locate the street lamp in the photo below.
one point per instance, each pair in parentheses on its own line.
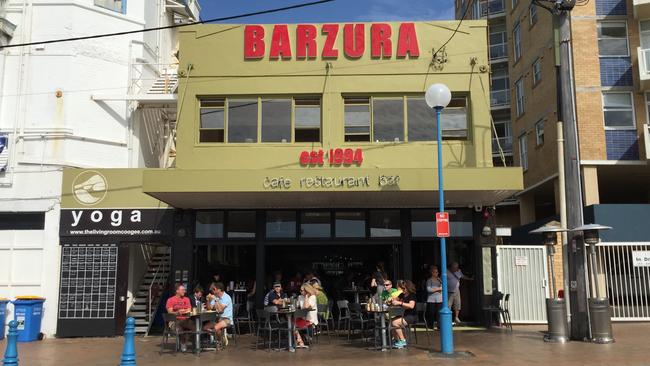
(599,311)
(558,329)
(438,97)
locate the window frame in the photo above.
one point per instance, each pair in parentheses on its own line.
(539,137)
(523,151)
(615,128)
(537,71)
(501,45)
(532,15)
(122,9)
(627,37)
(516,41)
(520,100)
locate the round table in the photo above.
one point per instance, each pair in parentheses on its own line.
(289,312)
(198,324)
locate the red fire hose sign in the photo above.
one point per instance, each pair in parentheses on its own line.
(442,224)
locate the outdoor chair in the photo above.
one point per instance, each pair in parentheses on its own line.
(497,307)
(170,330)
(421,309)
(406,328)
(506,311)
(324,315)
(344,315)
(266,326)
(245,318)
(357,317)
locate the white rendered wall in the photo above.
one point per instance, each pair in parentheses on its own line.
(48,132)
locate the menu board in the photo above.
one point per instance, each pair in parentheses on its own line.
(88,281)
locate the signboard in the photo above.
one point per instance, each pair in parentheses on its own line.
(442,224)
(521,260)
(335,157)
(641,258)
(116,222)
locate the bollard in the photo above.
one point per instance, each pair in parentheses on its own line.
(11,353)
(128,354)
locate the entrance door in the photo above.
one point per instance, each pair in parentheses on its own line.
(121,288)
(522,272)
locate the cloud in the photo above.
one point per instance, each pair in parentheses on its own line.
(400,10)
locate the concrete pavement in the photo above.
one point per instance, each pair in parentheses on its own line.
(524,346)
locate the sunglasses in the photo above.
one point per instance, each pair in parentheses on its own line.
(388,284)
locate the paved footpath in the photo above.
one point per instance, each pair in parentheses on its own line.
(524,346)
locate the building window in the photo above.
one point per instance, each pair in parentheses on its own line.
(519,96)
(500,90)
(612,38)
(537,71)
(388,120)
(514,3)
(209,224)
(315,224)
(242,120)
(539,132)
(503,138)
(618,110)
(307,120)
(212,120)
(532,14)
(276,120)
(241,224)
(476,9)
(357,119)
(280,224)
(350,224)
(516,40)
(385,223)
(498,42)
(523,152)
(421,120)
(454,119)
(114,5)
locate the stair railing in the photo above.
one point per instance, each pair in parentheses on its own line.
(156,281)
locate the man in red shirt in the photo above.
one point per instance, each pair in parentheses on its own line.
(180,305)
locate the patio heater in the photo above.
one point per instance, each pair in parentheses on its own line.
(556,312)
(600,315)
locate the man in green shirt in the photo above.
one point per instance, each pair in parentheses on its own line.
(389,292)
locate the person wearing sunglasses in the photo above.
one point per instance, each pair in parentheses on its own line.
(389,292)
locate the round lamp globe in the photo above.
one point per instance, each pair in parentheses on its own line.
(438,96)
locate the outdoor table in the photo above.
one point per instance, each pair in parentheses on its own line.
(356,292)
(199,328)
(289,312)
(382,330)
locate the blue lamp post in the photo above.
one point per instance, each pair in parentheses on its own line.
(438,97)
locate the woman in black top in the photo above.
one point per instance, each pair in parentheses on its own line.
(405,300)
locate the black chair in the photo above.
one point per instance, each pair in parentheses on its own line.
(505,306)
(405,327)
(344,315)
(244,318)
(324,316)
(495,307)
(308,330)
(265,325)
(171,330)
(421,309)
(357,317)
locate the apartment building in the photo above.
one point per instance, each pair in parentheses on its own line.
(104,102)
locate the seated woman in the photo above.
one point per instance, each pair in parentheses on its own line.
(405,300)
(321,297)
(306,300)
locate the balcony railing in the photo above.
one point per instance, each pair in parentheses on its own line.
(492,7)
(499,98)
(505,143)
(499,50)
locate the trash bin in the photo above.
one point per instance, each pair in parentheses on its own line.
(3,316)
(28,312)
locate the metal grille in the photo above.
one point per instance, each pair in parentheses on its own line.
(522,272)
(627,283)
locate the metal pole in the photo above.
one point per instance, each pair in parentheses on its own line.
(446,331)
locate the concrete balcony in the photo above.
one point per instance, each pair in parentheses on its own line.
(641,9)
(644,67)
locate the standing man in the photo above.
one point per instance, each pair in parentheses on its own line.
(180,306)
(222,303)
(454,275)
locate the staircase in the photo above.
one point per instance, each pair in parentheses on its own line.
(149,293)
(164,84)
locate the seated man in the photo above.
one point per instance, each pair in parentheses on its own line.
(275,296)
(389,292)
(222,302)
(180,306)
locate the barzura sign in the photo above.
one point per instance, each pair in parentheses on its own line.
(384,40)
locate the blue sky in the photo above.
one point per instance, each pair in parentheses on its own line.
(337,11)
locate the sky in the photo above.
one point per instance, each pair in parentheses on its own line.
(336,11)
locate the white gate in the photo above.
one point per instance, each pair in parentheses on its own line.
(626,269)
(522,272)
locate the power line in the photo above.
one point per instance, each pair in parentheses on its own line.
(469,5)
(261,12)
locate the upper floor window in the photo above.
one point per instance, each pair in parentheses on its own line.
(498,41)
(500,90)
(514,3)
(523,152)
(532,14)
(539,132)
(282,120)
(519,96)
(115,5)
(618,111)
(612,38)
(516,40)
(537,71)
(357,119)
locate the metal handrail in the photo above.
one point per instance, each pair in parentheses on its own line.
(150,310)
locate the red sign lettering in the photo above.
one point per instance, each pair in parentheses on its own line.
(442,224)
(335,157)
(354,41)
